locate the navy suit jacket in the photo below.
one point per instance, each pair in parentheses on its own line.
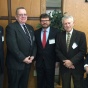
(46,54)
(86,59)
(1,51)
(75,54)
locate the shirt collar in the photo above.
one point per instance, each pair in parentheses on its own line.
(22,24)
(47,30)
(70,32)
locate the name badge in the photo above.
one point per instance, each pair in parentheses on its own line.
(51,41)
(2,38)
(74,45)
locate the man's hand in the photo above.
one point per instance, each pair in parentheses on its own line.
(72,67)
(67,63)
(86,68)
(31,58)
(27,60)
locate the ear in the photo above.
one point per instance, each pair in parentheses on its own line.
(15,17)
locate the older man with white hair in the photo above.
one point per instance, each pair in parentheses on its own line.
(70,49)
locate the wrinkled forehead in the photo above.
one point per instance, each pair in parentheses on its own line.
(21,11)
(67,20)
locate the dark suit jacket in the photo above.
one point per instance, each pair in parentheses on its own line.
(86,59)
(18,47)
(76,55)
(1,51)
(46,54)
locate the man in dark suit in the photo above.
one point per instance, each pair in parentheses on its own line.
(71,50)
(1,57)
(21,50)
(86,63)
(45,58)
(86,69)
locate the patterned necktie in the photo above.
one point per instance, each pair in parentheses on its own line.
(44,39)
(27,34)
(68,40)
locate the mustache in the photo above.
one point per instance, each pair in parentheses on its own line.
(44,23)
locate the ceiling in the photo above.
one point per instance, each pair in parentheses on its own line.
(53,3)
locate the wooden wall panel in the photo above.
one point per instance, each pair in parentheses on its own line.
(3,8)
(3,23)
(34,23)
(79,10)
(43,6)
(32,6)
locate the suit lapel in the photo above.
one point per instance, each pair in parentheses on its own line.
(39,37)
(73,37)
(40,42)
(30,31)
(64,41)
(49,36)
(19,28)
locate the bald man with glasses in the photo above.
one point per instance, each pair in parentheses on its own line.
(21,50)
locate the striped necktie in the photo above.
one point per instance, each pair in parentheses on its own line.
(68,40)
(27,34)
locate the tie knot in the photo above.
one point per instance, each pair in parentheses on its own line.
(24,26)
(68,33)
(44,30)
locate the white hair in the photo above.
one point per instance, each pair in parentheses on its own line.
(67,17)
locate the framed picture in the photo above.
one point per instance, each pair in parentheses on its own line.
(86,0)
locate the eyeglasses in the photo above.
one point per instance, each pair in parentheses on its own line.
(21,15)
(44,20)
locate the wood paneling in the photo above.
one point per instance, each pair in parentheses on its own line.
(43,6)
(34,23)
(32,6)
(79,10)
(3,8)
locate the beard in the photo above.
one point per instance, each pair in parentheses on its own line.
(45,25)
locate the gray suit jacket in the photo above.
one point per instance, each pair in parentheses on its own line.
(18,47)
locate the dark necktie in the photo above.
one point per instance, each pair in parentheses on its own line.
(27,34)
(68,40)
(44,39)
